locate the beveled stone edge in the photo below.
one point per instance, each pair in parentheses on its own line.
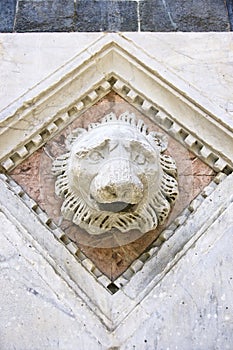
(35,255)
(150,252)
(138,312)
(167,233)
(149,109)
(173,128)
(26,211)
(108,53)
(61,120)
(112,309)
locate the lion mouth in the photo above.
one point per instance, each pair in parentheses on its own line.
(117,207)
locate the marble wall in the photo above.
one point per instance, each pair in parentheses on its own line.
(178,293)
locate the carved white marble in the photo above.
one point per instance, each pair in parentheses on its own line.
(115,176)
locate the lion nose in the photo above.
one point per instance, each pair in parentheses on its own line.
(117,182)
(121,192)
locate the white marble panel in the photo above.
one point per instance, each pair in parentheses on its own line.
(192,307)
(202,59)
(33,313)
(26,59)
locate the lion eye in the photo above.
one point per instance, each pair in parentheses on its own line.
(95,156)
(140,159)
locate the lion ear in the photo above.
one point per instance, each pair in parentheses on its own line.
(74,136)
(160,140)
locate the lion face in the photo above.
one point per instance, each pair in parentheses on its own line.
(115,176)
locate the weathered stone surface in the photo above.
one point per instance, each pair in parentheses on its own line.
(200,16)
(7,15)
(200,58)
(181,15)
(35,315)
(155,17)
(187,54)
(18,51)
(44,16)
(194,296)
(102,15)
(195,299)
(182,297)
(115,15)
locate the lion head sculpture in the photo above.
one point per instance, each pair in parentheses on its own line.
(115,176)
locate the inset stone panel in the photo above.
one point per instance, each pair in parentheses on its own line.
(112,255)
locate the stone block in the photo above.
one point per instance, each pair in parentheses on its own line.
(229,4)
(111,16)
(154,17)
(7,15)
(181,15)
(44,16)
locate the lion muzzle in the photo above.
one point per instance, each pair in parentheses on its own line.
(117,183)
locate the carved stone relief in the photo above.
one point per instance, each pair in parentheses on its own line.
(115,175)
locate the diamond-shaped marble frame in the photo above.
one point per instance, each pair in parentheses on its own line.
(113,63)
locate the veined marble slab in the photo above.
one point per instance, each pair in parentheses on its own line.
(26,59)
(204,60)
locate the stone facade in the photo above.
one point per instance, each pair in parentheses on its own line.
(178,293)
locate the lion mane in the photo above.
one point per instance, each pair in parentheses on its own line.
(148,214)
